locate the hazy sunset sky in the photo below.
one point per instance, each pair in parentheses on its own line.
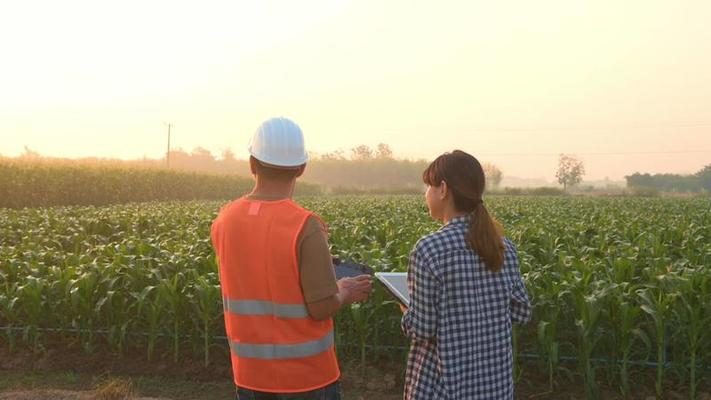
(626,85)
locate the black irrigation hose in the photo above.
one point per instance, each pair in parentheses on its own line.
(533,356)
(99,331)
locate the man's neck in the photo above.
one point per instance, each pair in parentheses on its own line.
(272,189)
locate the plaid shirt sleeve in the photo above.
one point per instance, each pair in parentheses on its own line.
(520,304)
(420,320)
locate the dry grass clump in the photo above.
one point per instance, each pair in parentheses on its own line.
(114,389)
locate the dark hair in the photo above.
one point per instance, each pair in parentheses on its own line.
(465,179)
(276,173)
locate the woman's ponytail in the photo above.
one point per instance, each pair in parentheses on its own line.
(485,237)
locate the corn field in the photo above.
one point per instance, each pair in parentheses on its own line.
(620,287)
(42,184)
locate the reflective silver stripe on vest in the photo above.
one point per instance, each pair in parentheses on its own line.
(257,307)
(283,351)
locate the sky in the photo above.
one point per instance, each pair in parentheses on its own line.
(624,85)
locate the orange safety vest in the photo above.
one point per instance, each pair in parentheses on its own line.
(276,346)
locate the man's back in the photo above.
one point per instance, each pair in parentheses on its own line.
(276,346)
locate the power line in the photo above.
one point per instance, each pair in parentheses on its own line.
(594,128)
(616,153)
(479,129)
(167,153)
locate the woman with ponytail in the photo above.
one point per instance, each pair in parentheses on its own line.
(465,292)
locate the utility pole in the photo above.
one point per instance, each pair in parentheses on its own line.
(167,153)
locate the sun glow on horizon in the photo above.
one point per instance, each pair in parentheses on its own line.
(624,84)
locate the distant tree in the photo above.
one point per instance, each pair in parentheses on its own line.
(229,163)
(361,152)
(202,153)
(228,155)
(493,175)
(570,171)
(704,177)
(334,155)
(638,180)
(29,154)
(671,182)
(179,158)
(383,151)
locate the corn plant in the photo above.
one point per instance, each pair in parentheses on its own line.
(588,302)
(657,300)
(32,301)
(551,293)
(693,314)
(626,317)
(147,307)
(171,293)
(208,297)
(84,299)
(10,312)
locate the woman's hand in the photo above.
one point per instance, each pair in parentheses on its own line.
(403,308)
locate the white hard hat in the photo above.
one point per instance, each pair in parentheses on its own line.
(279,141)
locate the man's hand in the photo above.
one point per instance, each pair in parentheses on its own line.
(354,289)
(350,290)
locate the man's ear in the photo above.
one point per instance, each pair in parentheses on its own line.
(301,170)
(253,165)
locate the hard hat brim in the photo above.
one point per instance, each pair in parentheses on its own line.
(278,166)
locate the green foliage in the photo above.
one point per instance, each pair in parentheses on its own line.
(615,282)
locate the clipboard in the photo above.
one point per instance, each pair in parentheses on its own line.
(396,284)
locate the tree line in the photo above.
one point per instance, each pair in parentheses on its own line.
(368,169)
(698,182)
(361,169)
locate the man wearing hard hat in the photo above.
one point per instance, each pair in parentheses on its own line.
(278,284)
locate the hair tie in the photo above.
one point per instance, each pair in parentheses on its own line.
(476,205)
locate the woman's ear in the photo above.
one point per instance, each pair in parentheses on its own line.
(443,190)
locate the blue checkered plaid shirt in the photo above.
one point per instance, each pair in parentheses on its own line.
(459,320)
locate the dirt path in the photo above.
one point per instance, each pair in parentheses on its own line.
(43,394)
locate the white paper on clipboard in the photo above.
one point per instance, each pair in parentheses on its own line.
(396,283)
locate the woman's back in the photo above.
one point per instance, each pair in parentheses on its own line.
(460,318)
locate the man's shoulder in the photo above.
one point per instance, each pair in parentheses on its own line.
(228,207)
(313,222)
(226,210)
(313,225)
